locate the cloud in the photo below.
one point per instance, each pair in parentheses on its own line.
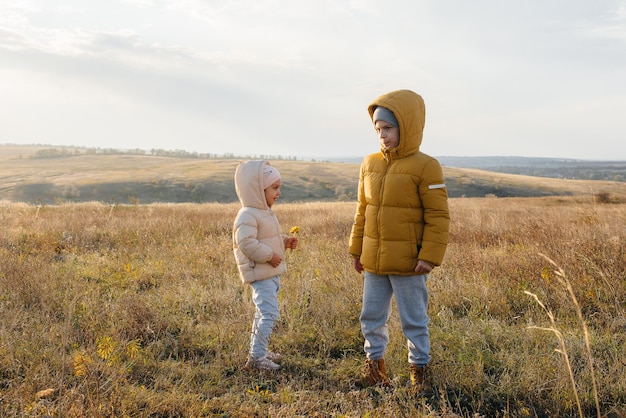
(294,78)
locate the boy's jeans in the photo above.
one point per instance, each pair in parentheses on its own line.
(412,301)
(265,297)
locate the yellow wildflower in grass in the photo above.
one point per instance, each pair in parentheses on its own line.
(106,346)
(81,364)
(295,230)
(264,394)
(132,349)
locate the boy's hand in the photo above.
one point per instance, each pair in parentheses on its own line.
(423,267)
(276,260)
(357,265)
(291,243)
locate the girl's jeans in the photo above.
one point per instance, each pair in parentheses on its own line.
(265,297)
(412,301)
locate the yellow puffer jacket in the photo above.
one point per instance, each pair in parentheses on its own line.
(402,213)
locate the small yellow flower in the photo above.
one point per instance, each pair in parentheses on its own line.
(546,273)
(133,348)
(81,364)
(295,230)
(106,346)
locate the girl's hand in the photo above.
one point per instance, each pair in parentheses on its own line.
(276,260)
(357,265)
(291,243)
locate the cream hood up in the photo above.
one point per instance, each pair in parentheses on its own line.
(249,184)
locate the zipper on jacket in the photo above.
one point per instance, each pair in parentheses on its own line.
(380,199)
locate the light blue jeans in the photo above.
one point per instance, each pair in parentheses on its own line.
(411,296)
(265,298)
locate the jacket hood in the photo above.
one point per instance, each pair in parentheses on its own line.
(408,108)
(249,184)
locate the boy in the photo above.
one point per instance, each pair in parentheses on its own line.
(399,235)
(260,251)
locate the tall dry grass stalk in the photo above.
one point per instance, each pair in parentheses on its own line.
(562,278)
(562,350)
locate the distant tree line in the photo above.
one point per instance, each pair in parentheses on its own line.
(61,152)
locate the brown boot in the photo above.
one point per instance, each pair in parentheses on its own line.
(374,374)
(420,380)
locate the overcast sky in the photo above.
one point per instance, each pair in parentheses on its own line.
(542,78)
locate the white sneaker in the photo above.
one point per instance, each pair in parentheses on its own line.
(275,357)
(263,363)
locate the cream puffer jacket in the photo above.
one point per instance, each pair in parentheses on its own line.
(402,213)
(256,231)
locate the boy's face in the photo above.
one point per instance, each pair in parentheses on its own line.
(272,193)
(388,135)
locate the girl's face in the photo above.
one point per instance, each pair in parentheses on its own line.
(388,135)
(272,193)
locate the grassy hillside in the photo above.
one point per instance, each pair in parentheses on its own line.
(29,174)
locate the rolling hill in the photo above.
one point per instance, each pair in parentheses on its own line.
(30,174)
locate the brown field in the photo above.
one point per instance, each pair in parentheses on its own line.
(137,311)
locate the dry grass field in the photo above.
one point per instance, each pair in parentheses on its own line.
(137,311)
